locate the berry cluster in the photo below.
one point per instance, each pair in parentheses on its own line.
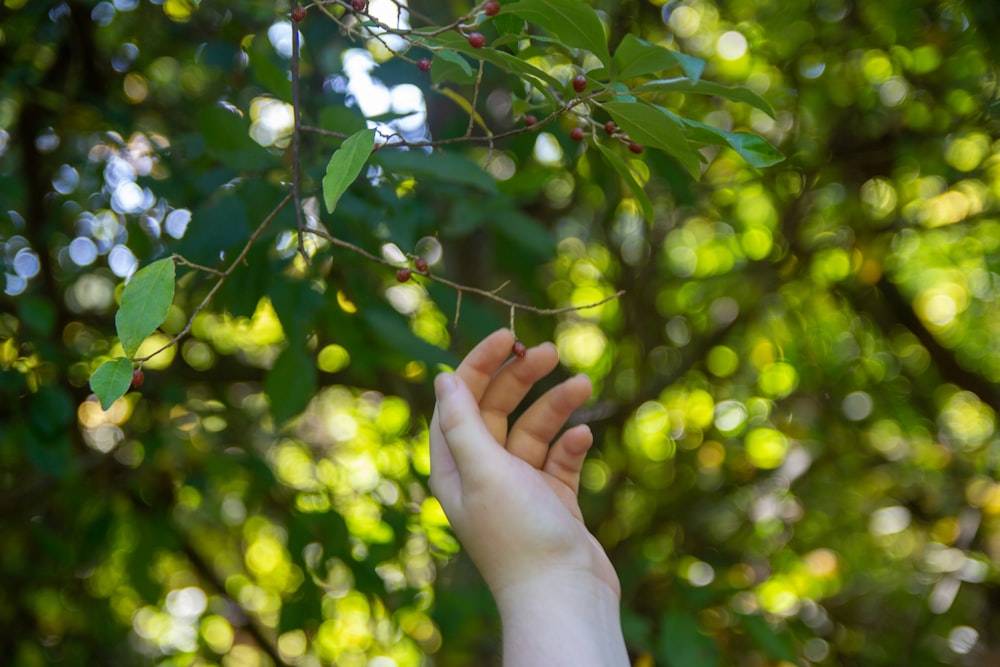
(612,130)
(420,264)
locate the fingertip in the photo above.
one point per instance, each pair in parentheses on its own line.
(444,385)
(582,436)
(503,333)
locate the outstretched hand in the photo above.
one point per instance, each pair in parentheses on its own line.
(510,491)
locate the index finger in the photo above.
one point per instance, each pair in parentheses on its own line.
(484,360)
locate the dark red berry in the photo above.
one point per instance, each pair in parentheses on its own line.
(137,378)
(579,83)
(359,5)
(491,8)
(421,264)
(634,147)
(576,134)
(299,14)
(403,275)
(424,65)
(610,127)
(529,120)
(519,350)
(476,40)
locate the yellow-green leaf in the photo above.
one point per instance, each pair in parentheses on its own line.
(736,94)
(653,128)
(572,22)
(626,174)
(636,57)
(753,148)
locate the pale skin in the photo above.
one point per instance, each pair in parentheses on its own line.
(510,492)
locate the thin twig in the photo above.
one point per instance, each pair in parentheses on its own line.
(475,101)
(222,279)
(296,125)
(179,259)
(464,139)
(487,294)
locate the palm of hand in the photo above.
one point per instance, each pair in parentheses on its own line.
(511,497)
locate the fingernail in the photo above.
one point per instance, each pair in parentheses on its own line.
(445,384)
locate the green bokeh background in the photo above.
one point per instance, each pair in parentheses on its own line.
(796,396)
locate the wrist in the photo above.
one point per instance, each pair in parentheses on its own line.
(562,618)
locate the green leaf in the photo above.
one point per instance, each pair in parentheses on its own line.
(449,167)
(753,148)
(111,380)
(574,23)
(734,93)
(682,643)
(636,57)
(626,174)
(653,128)
(345,165)
(457,59)
(505,61)
(622,93)
(290,383)
(508,24)
(146,300)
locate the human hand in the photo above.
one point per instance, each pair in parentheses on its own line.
(511,493)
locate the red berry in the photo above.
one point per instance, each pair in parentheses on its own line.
(299,14)
(424,65)
(579,83)
(576,134)
(137,378)
(529,120)
(491,8)
(403,275)
(421,264)
(476,40)
(610,127)
(359,5)
(519,350)
(634,147)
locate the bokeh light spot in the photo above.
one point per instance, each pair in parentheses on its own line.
(766,448)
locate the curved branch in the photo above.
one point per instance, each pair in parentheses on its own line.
(222,279)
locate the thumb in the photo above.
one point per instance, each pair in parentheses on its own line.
(469,441)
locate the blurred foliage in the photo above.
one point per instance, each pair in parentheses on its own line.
(796,397)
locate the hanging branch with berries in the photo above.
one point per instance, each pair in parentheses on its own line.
(623,94)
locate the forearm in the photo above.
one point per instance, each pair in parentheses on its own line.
(574,622)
